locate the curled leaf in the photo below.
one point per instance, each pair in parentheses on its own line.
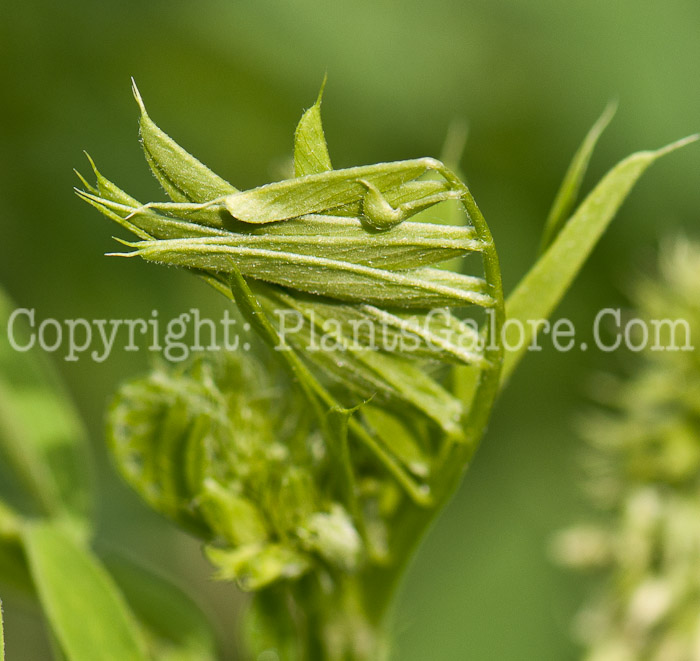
(235,517)
(165,433)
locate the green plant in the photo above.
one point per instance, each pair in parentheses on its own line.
(310,476)
(643,476)
(46,527)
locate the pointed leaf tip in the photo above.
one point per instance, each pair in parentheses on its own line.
(184,178)
(319,98)
(567,194)
(310,148)
(137,96)
(678,144)
(92,163)
(124,242)
(84,182)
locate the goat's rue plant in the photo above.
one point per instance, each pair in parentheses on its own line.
(310,475)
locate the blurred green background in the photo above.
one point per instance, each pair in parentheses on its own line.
(229,80)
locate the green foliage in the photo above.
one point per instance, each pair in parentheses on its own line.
(175,626)
(331,191)
(643,474)
(566,195)
(84,607)
(322,276)
(310,477)
(43,538)
(268,507)
(286,254)
(539,292)
(310,149)
(410,245)
(183,177)
(294,506)
(47,453)
(221,448)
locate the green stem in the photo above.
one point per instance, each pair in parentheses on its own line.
(381,584)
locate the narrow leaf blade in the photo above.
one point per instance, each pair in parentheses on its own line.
(148,225)
(399,434)
(435,335)
(566,196)
(405,246)
(85,610)
(539,292)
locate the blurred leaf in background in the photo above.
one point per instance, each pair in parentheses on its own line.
(46,525)
(228,81)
